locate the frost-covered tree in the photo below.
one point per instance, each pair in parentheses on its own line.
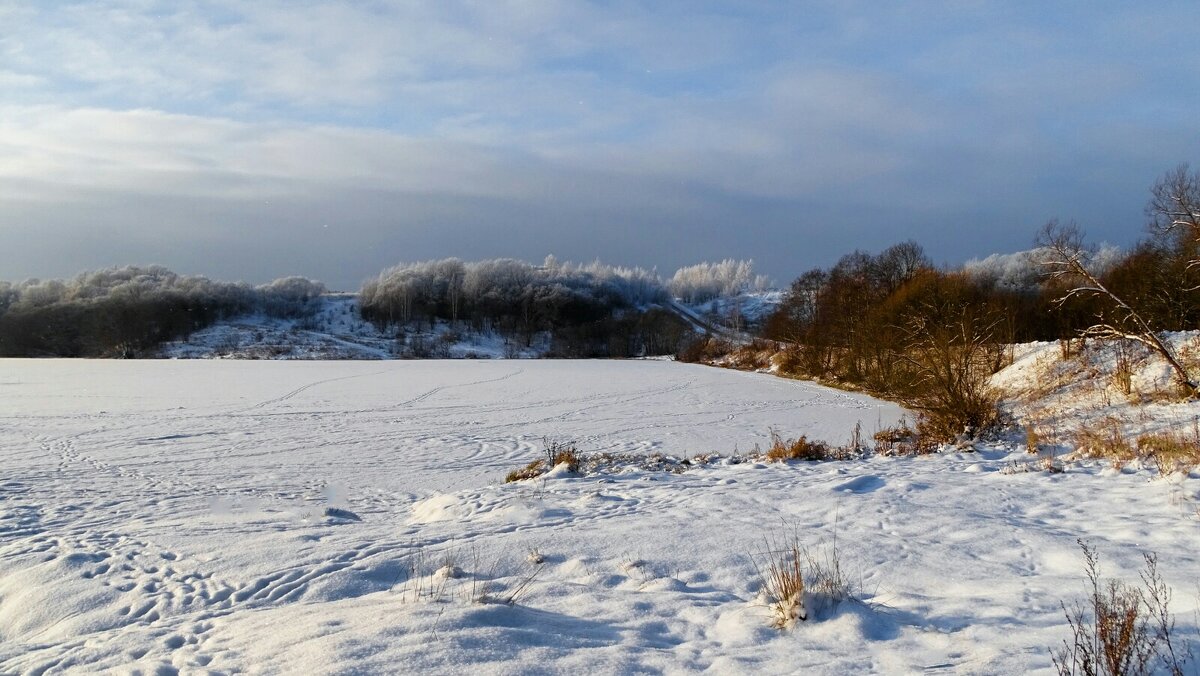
(706,281)
(1174,210)
(123,311)
(290,296)
(509,295)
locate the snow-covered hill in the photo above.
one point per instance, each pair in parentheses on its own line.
(1102,388)
(337,331)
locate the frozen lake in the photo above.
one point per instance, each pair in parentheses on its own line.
(169,516)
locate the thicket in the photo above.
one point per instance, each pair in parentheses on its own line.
(128,311)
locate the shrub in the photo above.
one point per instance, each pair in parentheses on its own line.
(1048,465)
(1121,630)
(796,449)
(897,440)
(556,453)
(704,350)
(945,422)
(559,452)
(1033,440)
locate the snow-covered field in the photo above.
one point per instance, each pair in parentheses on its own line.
(175,516)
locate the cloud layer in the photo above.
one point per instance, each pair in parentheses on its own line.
(250,140)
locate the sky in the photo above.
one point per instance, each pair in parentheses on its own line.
(253,140)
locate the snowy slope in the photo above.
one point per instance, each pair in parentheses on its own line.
(336,331)
(171,516)
(734,318)
(1061,396)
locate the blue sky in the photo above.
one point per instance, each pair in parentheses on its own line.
(249,140)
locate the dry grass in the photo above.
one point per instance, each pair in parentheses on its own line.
(438,578)
(490,592)
(556,453)
(783,583)
(782,450)
(1171,451)
(798,584)
(1168,451)
(1105,440)
(1120,629)
(427,579)
(531,471)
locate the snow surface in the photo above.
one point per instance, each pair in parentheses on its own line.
(349,517)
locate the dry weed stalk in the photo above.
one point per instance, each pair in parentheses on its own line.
(783,583)
(1121,630)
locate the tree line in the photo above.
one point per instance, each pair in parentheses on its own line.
(894,324)
(128,311)
(574,310)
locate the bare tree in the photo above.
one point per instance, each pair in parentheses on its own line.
(950,345)
(1174,208)
(1066,259)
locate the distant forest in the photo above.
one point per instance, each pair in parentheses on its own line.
(589,310)
(123,312)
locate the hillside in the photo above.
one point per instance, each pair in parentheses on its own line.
(336,330)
